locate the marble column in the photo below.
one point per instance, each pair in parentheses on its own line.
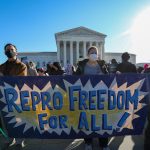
(91,43)
(99,51)
(58,51)
(71,52)
(64,43)
(77,50)
(103,50)
(84,49)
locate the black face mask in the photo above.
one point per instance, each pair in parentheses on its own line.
(10,54)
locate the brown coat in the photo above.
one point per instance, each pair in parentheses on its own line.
(15,68)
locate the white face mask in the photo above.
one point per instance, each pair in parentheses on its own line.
(93,57)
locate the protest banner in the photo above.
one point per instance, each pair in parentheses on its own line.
(74,106)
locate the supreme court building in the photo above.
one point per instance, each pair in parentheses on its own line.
(72,45)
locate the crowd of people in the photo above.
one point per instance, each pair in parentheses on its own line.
(90,66)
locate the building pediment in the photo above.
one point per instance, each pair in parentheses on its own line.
(80,31)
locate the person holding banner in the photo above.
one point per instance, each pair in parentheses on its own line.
(92,66)
(13,67)
(126,66)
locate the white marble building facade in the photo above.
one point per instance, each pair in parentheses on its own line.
(41,59)
(72,45)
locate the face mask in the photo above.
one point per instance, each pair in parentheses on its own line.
(93,57)
(10,54)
